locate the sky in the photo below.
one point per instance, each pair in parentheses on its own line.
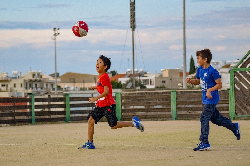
(26,30)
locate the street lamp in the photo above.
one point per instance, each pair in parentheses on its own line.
(133,26)
(184,47)
(54,38)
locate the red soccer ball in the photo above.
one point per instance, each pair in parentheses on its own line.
(80,29)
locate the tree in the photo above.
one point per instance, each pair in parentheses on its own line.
(116,85)
(191,66)
(113,72)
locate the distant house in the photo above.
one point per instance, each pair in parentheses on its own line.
(22,85)
(4,82)
(168,78)
(225,75)
(77,81)
(116,77)
(224,68)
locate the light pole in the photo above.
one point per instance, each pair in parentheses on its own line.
(133,26)
(54,38)
(184,47)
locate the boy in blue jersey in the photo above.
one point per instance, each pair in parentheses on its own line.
(210,81)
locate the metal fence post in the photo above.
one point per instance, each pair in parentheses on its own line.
(33,108)
(173,104)
(67,107)
(231,96)
(118,105)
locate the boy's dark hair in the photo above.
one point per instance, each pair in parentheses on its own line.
(106,61)
(206,53)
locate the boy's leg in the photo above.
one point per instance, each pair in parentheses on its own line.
(112,119)
(121,124)
(220,120)
(89,144)
(208,110)
(135,123)
(93,117)
(114,123)
(91,123)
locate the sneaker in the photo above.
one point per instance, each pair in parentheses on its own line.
(88,145)
(201,146)
(137,123)
(237,130)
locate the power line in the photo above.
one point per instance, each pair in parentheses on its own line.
(123,49)
(141,49)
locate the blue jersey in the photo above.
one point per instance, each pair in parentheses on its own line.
(207,80)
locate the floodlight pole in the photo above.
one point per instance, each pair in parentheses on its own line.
(54,38)
(132,26)
(184,48)
(133,55)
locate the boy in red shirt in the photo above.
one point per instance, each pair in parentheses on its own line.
(105,104)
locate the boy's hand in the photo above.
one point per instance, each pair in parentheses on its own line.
(188,80)
(92,99)
(208,94)
(93,87)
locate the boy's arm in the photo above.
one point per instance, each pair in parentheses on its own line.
(93,87)
(216,87)
(193,81)
(105,93)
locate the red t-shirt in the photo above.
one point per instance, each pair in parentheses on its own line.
(108,100)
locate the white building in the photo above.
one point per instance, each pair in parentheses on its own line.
(225,73)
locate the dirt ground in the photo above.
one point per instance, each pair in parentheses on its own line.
(162,143)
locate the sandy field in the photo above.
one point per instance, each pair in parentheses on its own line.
(162,143)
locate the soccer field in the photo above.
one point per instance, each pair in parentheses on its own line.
(162,143)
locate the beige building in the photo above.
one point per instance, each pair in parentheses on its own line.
(23,85)
(77,81)
(168,78)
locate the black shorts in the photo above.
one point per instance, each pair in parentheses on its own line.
(109,112)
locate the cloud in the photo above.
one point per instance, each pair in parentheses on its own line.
(176,47)
(219,19)
(220,48)
(161,39)
(15,38)
(219,37)
(59,5)
(194,48)
(51,5)
(35,25)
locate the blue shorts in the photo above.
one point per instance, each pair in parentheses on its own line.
(109,112)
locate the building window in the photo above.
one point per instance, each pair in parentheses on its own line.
(3,85)
(21,85)
(151,82)
(163,82)
(15,85)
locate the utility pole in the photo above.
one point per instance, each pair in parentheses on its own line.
(132,26)
(54,38)
(184,48)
